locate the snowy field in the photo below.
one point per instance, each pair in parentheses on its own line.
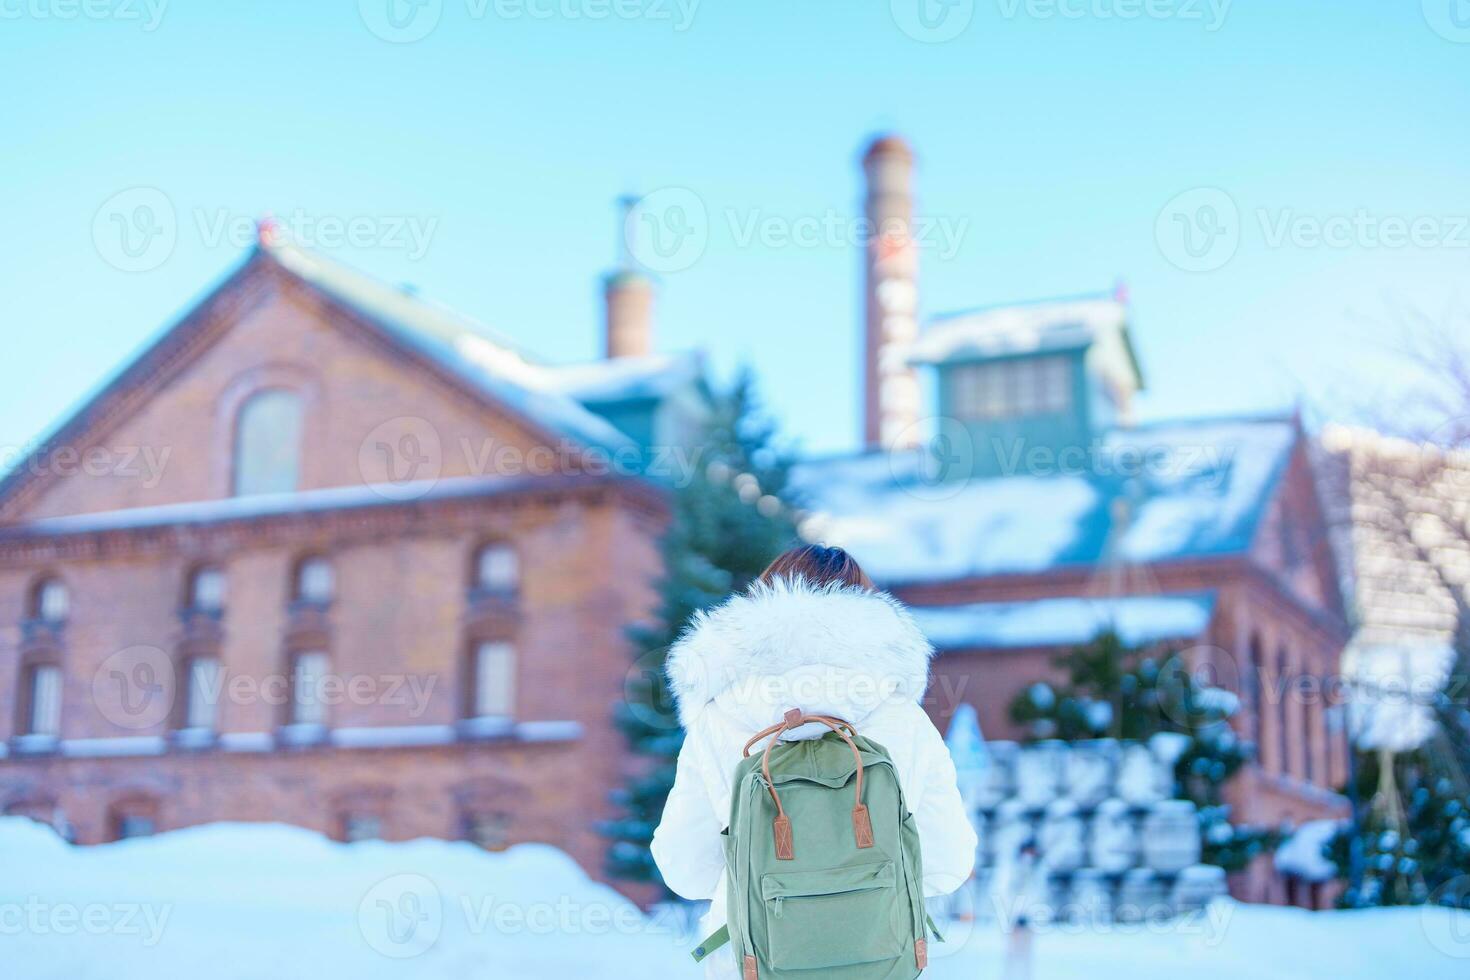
(267,902)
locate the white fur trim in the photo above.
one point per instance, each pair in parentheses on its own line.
(770,629)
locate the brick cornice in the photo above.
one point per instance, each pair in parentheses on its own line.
(346,524)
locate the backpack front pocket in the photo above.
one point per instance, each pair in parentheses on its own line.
(835,917)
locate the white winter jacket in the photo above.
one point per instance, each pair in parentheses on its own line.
(846,652)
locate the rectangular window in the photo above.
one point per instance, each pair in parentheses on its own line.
(494,680)
(308,676)
(991,395)
(1312,716)
(1011,389)
(202,694)
(1056,384)
(1284,684)
(44,717)
(1026,384)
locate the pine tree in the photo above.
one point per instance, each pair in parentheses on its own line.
(1410,843)
(1115,691)
(1415,846)
(725,526)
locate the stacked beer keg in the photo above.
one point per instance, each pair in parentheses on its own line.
(1109,842)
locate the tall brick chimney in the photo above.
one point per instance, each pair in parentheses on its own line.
(627,297)
(891,400)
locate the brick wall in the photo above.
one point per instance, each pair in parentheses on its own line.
(401,627)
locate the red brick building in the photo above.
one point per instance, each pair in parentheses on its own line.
(324,554)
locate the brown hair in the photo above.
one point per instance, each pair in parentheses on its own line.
(817,565)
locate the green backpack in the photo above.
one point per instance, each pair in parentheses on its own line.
(823,861)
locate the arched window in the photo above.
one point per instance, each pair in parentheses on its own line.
(206,589)
(268,443)
(316,583)
(50,601)
(497,569)
(362,814)
(489,829)
(133,816)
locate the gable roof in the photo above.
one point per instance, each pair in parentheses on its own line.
(1203,495)
(469,350)
(483,362)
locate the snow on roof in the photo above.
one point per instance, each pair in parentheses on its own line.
(277,504)
(1301,855)
(1138,620)
(1194,489)
(457,343)
(1391,690)
(652,376)
(1022,328)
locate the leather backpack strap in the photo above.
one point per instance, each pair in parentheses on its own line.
(862,826)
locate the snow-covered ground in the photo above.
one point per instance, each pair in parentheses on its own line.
(268,902)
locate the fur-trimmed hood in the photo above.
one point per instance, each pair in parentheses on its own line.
(825,649)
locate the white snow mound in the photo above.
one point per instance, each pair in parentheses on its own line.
(270,902)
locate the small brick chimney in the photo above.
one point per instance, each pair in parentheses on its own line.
(891,399)
(627,298)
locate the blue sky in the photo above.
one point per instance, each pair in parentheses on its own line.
(1055,138)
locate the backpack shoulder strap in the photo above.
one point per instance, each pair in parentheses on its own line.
(716,939)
